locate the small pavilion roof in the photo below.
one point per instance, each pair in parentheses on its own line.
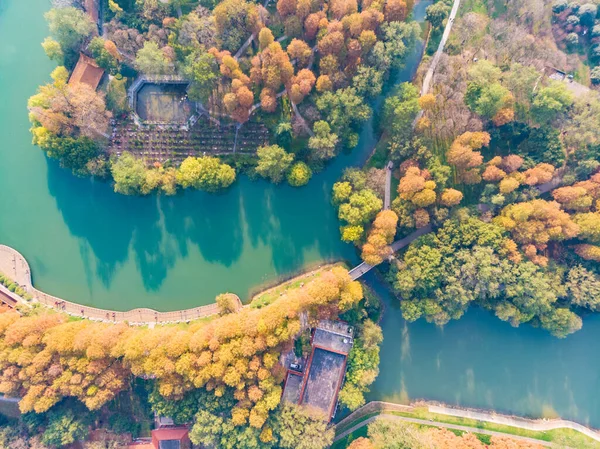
(86,71)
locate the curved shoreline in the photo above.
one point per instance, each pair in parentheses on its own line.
(14,265)
(540,425)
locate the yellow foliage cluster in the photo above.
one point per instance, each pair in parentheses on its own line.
(535,223)
(463,155)
(382,234)
(45,358)
(505,170)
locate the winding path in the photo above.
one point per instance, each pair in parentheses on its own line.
(388,185)
(14,265)
(440,50)
(425,422)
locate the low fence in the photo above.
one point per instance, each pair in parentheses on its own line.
(539,425)
(14,265)
(515,421)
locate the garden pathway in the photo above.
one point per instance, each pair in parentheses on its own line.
(14,265)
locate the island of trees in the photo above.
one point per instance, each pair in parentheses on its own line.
(305,69)
(222,376)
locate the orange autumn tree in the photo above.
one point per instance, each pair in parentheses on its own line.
(301,85)
(445,439)
(46,357)
(583,198)
(361,443)
(272,69)
(535,223)
(380,237)
(463,155)
(416,192)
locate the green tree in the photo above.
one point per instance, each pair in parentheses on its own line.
(437,13)
(73,153)
(543,145)
(550,102)
(486,100)
(205,173)
(202,70)
(151,60)
(323,143)
(129,174)
(300,428)
(343,109)
(207,429)
(399,38)
(53,50)
(400,110)
(70,27)
(561,322)
(63,429)
(362,206)
(584,287)
(299,174)
(116,96)
(273,162)
(368,81)
(102,56)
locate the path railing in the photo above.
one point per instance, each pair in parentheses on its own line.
(539,425)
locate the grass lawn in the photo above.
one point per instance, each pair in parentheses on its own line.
(564,437)
(379,158)
(266,297)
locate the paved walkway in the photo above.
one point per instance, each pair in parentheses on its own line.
(440,424)
(388,185)
(364,267)
(538,425)
(440,50)
(14,265)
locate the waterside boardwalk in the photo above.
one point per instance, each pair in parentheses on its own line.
(14,265)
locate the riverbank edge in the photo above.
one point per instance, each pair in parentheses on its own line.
(372,409)
(21,275)
(14,265)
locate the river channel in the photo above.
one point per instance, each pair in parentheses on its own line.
(89,245)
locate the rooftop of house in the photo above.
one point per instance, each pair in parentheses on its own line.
(335,336)
(172,437)
(87,71)
(292,388)
(323,380)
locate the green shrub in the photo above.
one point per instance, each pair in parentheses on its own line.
(299,174)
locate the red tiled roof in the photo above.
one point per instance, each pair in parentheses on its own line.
(86,71)
(170,433)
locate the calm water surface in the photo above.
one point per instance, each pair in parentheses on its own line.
(87,244)
(480,361)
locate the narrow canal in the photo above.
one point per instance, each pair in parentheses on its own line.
(87,244)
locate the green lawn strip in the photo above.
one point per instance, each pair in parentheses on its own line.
(348,439)
(341,429)
(568,437)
